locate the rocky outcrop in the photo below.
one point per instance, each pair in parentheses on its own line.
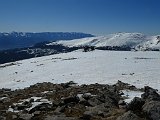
(152,110)
(150,94)
(129,116)
(68,101)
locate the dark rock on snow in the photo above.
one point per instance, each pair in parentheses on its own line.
(68,101)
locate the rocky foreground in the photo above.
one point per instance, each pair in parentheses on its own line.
(68,101)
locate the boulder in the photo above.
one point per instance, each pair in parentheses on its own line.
(87,96)
(87,115)
(136,104)
(41,107)
(70,99)
(25,116)
(150,94)
(84,102)
(94,101)
(5,100)
(128,116)
(61,117)
(152,110)
(121,86)
(121,102)
(59,110)
(68,84)
(21,106)
(2,118)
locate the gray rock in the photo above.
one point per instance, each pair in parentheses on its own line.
(101,107)
(136,104)
(21,106)
(121,102)
(2,118)
(150,94)
(31,100)
(25,116)
(128,116)
(5,99)
(68,84)
(152,110)
(14,116)
(121,85)
(111,98)
(84,102)
(37,113)
(100,113)
(86,96)
(94,101)
(6,89)
(61,117)
(4,95)
(41,107)
(59,110)
(70,99)
(55,103)
(87,115)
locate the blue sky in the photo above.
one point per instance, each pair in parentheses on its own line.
(91,16)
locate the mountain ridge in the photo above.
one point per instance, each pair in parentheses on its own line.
(137,41)
(11,40)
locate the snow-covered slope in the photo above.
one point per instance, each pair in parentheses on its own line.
(132,40)
(137,68)
(152,43)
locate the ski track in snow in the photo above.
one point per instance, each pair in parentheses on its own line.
(103,67)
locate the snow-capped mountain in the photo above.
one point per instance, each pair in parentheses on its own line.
(26,39)
(136,41)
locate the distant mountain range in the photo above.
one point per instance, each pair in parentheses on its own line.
(117,41)
(26,39)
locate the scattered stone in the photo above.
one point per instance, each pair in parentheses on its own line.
(100,113)
(121,86)
(87,115)
(121,102)
(59,110)
(128,116)
(94,101)
(41,107)
(21,106)
(68,84)
(68,101)
(2,118)
(37,113)
(87,96)
(5,100)
(14,116)
(31,100)
(60,118)
(25,116)
(4,95)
